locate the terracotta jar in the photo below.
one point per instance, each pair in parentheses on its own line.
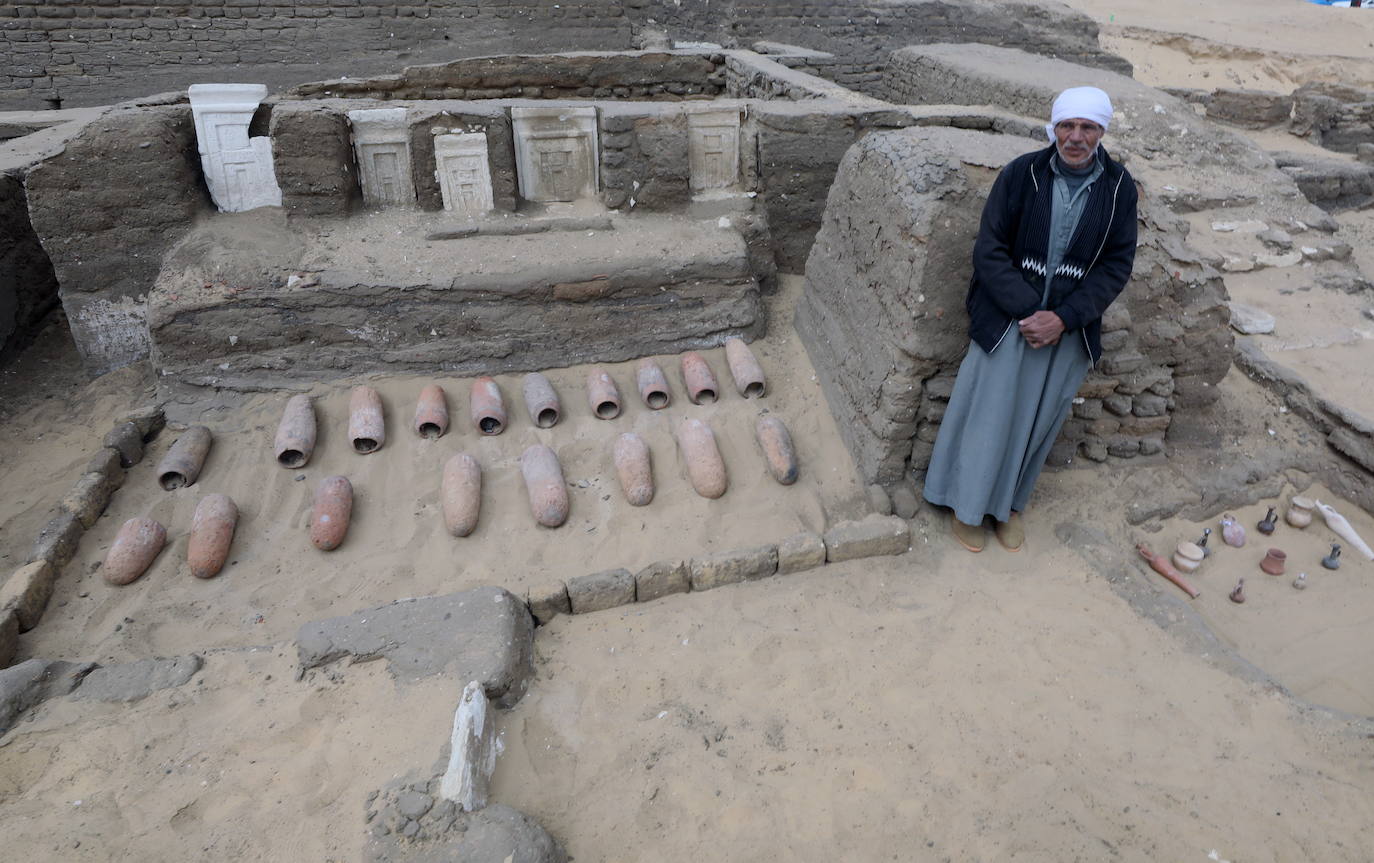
(1273,561)
(1188,556)
(1299,511)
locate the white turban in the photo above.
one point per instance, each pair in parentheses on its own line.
(1082,103)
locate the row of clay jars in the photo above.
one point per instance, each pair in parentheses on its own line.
(139,541)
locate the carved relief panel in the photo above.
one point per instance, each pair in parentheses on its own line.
(713,147)
(381,142)
(238,169)
(555,152)
(463,172)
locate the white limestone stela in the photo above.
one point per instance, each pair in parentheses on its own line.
(473,748)
(238,169)
(713,148)
(381,143)
(555,152)
(463,172)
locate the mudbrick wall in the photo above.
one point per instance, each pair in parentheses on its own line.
(28,288)
(90,52)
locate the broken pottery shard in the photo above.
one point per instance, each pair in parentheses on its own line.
(603,394)
(462,493)
(238,169)
(705,467)
(633,468)
(296,434)
(182,463)
(544,483)
(700,380)
(431,412)
(653,386)
(1250,320)
(366,424)
(464,174)
(212,532)
(488,408)
(472,752)
(744,368)
(133,551)
(330,516)
(777,448)
(541,400)
(555,152)
(713,148)
(381,143)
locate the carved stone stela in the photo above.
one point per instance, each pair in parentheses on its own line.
(555,152)
(381,141)
(463,172)
(238,169)
(713,148)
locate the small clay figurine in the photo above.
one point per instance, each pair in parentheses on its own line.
(1238,595)
(1333,560)
(1300,583)
(1231,532)
(1266,526)
(1202,543)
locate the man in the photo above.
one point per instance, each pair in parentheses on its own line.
(1055,247)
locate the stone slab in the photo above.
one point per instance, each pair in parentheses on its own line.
(132,681)
(473,748)
(27,592)
(126,439)
(57,541)
(238,168)
(485,634)
(800,552)
(732,567)
(869,537)
(662,578)
(601,590)
(381,145)
(549,600)
(1251,320)
(33,681)
(88,498)
(400,832)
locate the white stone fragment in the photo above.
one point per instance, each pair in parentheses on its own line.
(381,142)
(1287,259)
(713,148)
(1250,226)
(238,169)
(555,152)
(472,754)
(464,173)
(1250,320)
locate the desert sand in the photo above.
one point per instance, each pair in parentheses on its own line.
(1061,703)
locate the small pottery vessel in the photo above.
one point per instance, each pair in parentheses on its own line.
(1333,560)
(1238,595)
(1160,564)
(1266,525)
(1273,561)
(1231,532)
(1299,511)
(1300,582)
(1187,557)
(1202,543)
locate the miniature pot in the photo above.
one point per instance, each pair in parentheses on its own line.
(488,408)
(1188,556)
(366,424)
(332,511)
(212,533)
(541,401)
(182,463)
(634,469)
(296,433)
(1231,532)
(700,380)
(603,395)
(462,493)
(1299,512)
(431,412)
(705,467)
(778,451)
(544,483)
(653,386)
(744,368)
(134,548)
(1273,561)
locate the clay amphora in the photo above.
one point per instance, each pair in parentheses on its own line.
(653,386)
(212,532)
(488,408)
(544,483)
(1267,524)
(705,467)
(603,394)
(133,550)
(1299,512)
(1333,560)
(431,412)
(1187,557)
(366,424)
(331,513)
(541,401)
(1238,595)
(1231,532)
(778,451)
(1344,529)
(744,368)
(1273,561)
(634,469)
(700,380)
(182,463)
(295,439)
(462,494)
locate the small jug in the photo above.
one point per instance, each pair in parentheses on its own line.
(1266,525)
(1333,560)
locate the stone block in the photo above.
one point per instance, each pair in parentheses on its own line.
(150,420)
(1249,109)
(905,501)
(549,600)
(9,637)
(713,147)
(731,567)
(126,440)
(662,578)
(27,592)
(472,758)
(313,154)
(869,537)
(238,168)
(464,172)
(601,590)
(555,152)
(1148,405)
(89,497)
(1250,320)
(57,541)
(1088,409)
(381,143)
(801,551)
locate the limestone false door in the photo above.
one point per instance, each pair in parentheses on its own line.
(381,143)
(713,148)
(238,169)
(464,174)
(555,152)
